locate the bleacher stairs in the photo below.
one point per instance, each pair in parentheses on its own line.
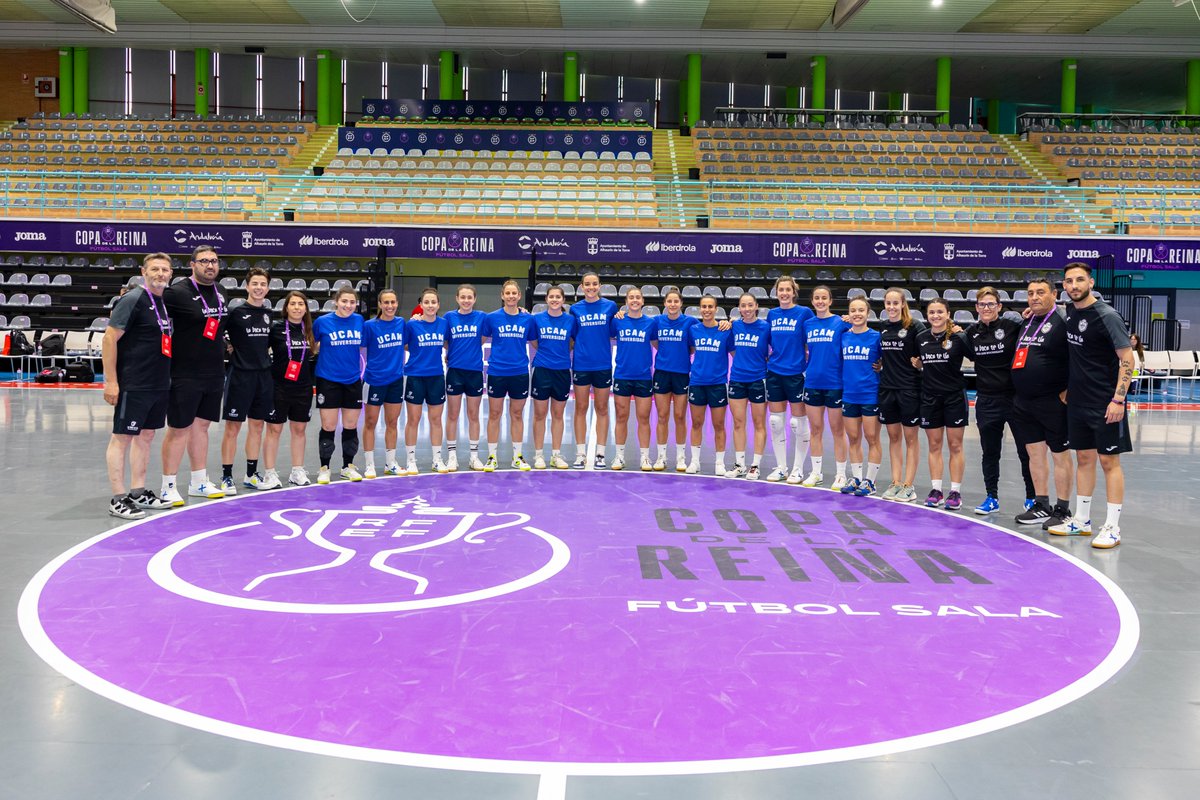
(673,157)
(296,179)
(1094,217)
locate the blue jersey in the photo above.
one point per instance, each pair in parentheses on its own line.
(710,361)
(466,346)
(860,381)
(635,353)
(593,345)
(510,335)
(384,342)
(554,335)
(425,341)
(751,343)
(824,338)
(673,354)
(340,339)
(787,340)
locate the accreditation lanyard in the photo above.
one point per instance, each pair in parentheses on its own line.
(211,324)
(292,373)
(1022,353)
(165,343)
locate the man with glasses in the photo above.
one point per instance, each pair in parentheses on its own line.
(1039,421)
(198,312)
(993,340)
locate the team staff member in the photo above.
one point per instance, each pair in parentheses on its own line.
(383,341)
(860,398)
(823,386)
(708,382)
(785,379)
(293,356)
(1101,368)
(464,374)
(198,316)
(509,329)
(633,376)
(249,390)
(553,331)
(672,363)
(1039,418)
(425,382)
(592,367)
(339,382)
(747,385)
(993,340)
(136,352)
(900,393)
(943,401)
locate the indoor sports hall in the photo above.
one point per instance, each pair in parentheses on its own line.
(590,619)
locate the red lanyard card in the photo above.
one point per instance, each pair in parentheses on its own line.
(292,373)
(166,345)
(210,327)
(1019,358)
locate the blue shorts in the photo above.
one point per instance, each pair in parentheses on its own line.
(829,398)
(785,388)
(854,410)
(385,393)
(514,386)
(754,391)
(667,382)
(623,387)
(464,381)
(711,396)
(551,384)
(426,389)
(596,378)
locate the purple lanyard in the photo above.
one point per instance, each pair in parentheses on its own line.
(154,306)
(287,332)
(1027,340)
(203,302)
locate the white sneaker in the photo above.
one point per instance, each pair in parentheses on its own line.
(838,482)
(251,481)
(351,473)
(660,463)
(323,476)
(439,466)
(299,477)
(796,476)
(580,461)
(681,464)
(1108,537)
(778,474)
(392,469)
(520,463)
(205,489)
(125,508)
(491,464)
(558,462)
(270,480)
(599,463)
(171,495)
(752,473)
(452,461)
(814,479)
(411,469)
(228,487)
(369,472)
(618,462)
(539,461)
(646,465)
(693,468)
(476,464)
(148,500)
(1072,527)
(719,469)
(738,471)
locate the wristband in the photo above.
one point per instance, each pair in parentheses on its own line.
(1118,400)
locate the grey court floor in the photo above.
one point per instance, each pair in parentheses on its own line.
(1137,736)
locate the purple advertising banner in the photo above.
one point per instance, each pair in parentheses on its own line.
(484,110)
(426,139)
(832,251)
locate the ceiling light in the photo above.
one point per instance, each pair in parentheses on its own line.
(935,3)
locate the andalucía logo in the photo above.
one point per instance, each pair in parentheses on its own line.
(599,623)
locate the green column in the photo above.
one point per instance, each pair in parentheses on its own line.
(324,84)
(941,100)
(791,99)
(1067,106)
(683,101)
(66,81)
(693,88)
(79,66)
(1192,106)
(446,74)
(818,84)
(203,71)
(993,112)
(571,77)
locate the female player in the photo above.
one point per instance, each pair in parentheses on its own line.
(860,398)
(592,367)
(633,376)
(293,353)
(510,330)
(943,401)
(553,332)
(424,382)
(785,379)
(708,382)
(823,386)
(672,362)
(383,341)
(747,384)
(464,374)
(339,381)
(900,393)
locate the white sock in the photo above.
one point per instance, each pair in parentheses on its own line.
(199,475)
(517,452)
(856,471)
(168,482)
(739,460)
(955,487)
(412,454)
(937,485)
(1083,507)
(492,448)
(817,463)
(645,453)
(370,457)
(474,447)
(555,453)
(390,455)
(800,439)
(841,468)
(452,445)
(872,471)
(1113,515)
(696,453)
(757,459)
(779,439)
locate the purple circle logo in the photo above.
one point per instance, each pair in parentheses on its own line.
(1161,251)
(368,136)
(455,239)
(589,623)
(807,244)
(108,233)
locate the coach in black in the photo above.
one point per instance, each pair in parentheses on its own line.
(197,374)
(136,351)
(993,340)
(249,390)
(1101,367)
(1039,421)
